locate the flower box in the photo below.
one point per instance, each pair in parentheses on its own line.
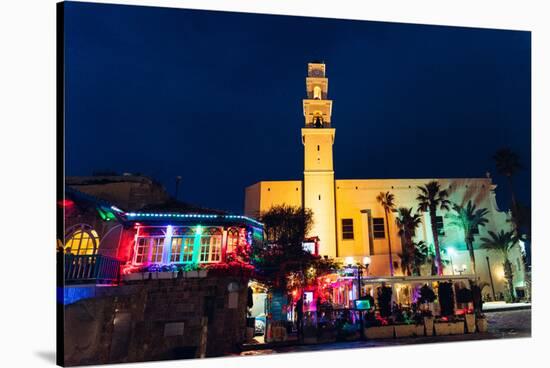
(191,274)
(429,326)
(165,275)
(202,273)
(379,332)
(481,324)
(133,277)
(449,328)
(470,321)
(409,330)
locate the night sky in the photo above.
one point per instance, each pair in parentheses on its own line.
(216,97)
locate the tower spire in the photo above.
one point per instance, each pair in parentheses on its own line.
(317,106)
(318,138)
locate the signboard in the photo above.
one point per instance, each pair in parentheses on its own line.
(362,304)
(277,302)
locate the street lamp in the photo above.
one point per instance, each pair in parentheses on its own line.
(460,270)
(452,252)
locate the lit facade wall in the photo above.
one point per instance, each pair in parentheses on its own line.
(356,200)
(263,195)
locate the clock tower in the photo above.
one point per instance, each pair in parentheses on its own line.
(318,138)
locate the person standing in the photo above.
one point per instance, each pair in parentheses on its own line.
(300,317)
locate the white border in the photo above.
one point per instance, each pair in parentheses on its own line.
(27,108)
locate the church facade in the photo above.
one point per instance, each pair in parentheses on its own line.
(349,221)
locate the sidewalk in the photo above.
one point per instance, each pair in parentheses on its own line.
(503,306)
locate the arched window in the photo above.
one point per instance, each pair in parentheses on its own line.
(211,245)
(232,239)
(83,240)
(317,94)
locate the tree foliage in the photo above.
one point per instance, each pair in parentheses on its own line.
(283,255)
(468,218)
(431,198)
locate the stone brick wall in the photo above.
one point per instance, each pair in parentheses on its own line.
(157,320)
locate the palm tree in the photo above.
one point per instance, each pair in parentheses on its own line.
(503,242)
(407,262)
(386,200)
(469,219)
(407,221)
(430,198)
(508,164)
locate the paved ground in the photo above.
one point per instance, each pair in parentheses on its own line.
(502,324)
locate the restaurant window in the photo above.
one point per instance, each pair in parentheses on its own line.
(439,225)
(142,250)
(183,246)
(378,229)
(158,246)
(347,229)
(210,246)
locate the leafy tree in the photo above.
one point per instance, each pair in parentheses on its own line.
(283,254)
(468,218)
(407,221)
(503,242)
(386,200)
(430,199)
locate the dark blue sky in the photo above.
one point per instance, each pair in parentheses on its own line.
(216,98)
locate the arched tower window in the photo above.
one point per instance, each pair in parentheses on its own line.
(317,93)
(318,121)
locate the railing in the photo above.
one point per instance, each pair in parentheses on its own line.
(91,269)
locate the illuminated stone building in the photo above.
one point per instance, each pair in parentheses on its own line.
(351,223)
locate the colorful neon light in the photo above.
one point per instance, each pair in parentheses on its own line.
(191,215)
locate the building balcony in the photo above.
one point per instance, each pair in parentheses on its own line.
(91,269)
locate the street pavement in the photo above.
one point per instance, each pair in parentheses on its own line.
(502,324)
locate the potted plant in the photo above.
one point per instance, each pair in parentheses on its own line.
(379,329)
(426,299)
(464,299)
(447,324)
(409,325)
(481,323)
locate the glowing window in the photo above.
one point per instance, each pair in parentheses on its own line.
(83,242)
(149,249)
(317,93)
(210,246)
(158,247)
(182,249)
(232,239)
(142,250)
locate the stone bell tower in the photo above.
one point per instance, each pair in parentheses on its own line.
(318,138)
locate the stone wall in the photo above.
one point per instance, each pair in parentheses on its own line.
(157,320)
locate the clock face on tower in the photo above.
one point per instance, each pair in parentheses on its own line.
(316,73)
